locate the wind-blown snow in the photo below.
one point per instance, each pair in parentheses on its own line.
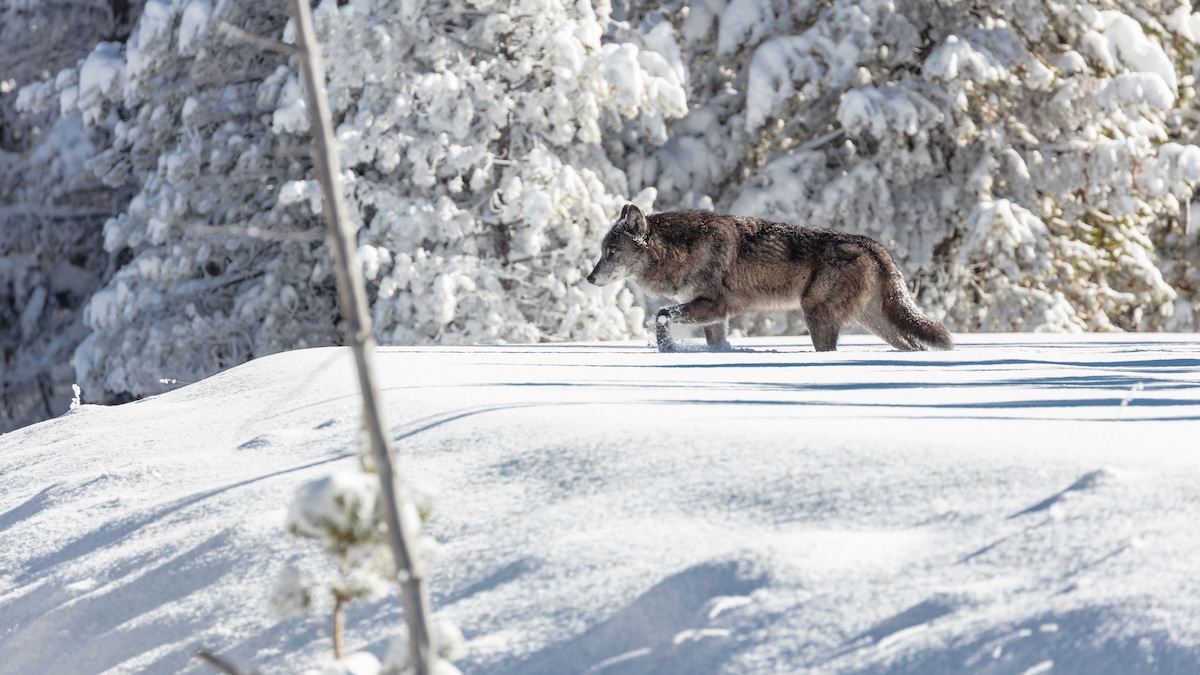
(1022,504)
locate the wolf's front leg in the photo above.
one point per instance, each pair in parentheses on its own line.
(703,311)
(662,329)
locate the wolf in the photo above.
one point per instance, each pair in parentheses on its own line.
(718,266)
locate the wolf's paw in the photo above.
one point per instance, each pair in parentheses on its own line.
(667,346)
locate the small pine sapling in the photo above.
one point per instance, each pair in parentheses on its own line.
(338,511)
(342,513)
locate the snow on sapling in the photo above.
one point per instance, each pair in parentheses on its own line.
(447,639)
(342,512)
(358,663)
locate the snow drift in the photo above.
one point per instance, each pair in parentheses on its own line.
(1025,504)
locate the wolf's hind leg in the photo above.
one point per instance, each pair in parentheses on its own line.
(823,327)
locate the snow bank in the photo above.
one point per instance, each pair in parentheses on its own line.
(1021,501)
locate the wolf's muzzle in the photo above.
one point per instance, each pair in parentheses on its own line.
(592,278)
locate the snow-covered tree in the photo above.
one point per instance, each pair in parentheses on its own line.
(485,145)
(341,512)
(52,209)
(474,140)
(218,272)
(1027,162)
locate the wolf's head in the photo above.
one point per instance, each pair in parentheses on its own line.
(622,253)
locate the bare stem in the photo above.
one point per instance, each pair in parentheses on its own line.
(357,326)
(339,623)
(257,40)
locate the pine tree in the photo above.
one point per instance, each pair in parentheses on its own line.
(52,209)
(494,114)
(486,145)
(1028,164)
(219,270)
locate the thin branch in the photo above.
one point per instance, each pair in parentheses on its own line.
(257,40)
(1072,146)
(295,151)
(255,233)
(339,624)
(814,143)
(50,211)
(468,45)
(11,60)
(218,663)
(356,315)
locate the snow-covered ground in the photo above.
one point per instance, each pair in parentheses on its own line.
(1024,504)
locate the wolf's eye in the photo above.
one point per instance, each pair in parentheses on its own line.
(612,250)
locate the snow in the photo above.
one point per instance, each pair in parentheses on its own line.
(699,22)
(660,40)
(772,73)
(101,72)
(1129,44)
(101,78)
(65,153)
(1008,233)
(620,69)
(291,118)
(959,59)
(1135,88)
(744,23)
(340,502)
(878,111)
(1025,503)
(193,24)
(32,312)
(1184,23)
(150,42)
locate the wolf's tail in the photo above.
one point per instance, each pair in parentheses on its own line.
(910,326)
(904,314)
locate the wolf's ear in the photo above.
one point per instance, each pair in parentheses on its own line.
(635,222)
